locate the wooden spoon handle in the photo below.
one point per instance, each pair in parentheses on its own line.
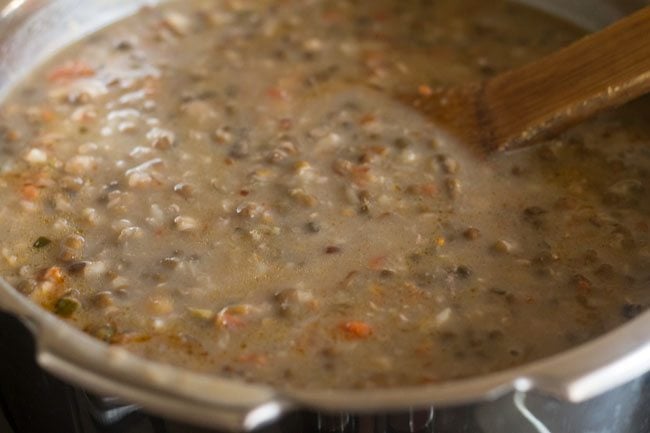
(602,70)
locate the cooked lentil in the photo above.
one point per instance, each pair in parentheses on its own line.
(229,187)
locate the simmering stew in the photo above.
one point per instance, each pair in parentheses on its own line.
(230,186)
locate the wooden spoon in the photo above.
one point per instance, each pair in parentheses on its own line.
(537,101)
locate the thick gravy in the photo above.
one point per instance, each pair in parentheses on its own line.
(230,187)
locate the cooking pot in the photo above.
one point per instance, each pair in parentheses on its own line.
(30,30)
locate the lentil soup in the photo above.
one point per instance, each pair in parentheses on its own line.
(229,187)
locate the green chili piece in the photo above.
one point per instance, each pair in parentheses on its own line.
(66,306)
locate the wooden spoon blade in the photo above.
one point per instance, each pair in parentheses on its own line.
(539,100)
(459,111)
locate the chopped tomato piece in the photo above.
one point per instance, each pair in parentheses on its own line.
(361,175)
(230,321)
(367,118)
(425,90)
(356,329)
(29,192)
(277,94)
(254,358)
(234,316)
(377,263)
(130,337)
(428,189)
(52,274)
(70,71)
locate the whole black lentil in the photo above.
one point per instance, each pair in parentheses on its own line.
(463,271)
(41,242)
(630,311)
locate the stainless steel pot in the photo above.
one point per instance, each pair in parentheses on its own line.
(30,30)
